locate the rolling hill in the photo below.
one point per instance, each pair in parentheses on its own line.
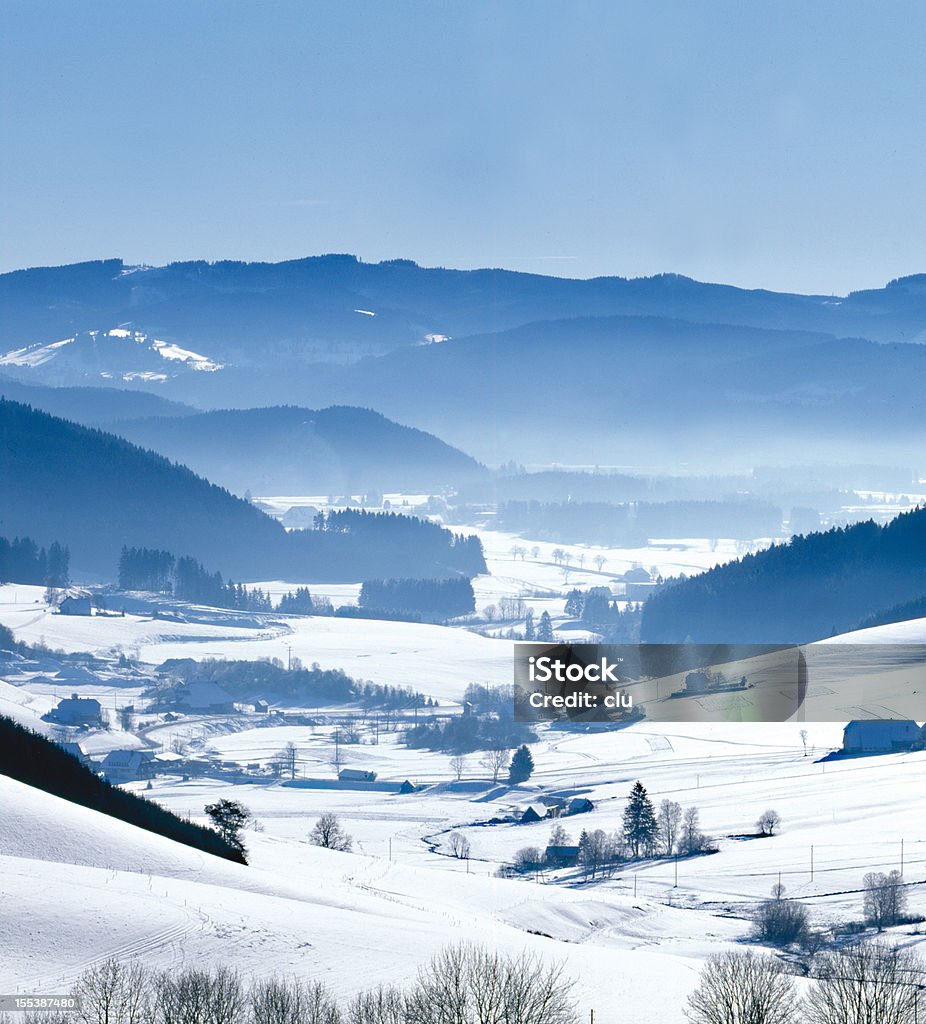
(288,450)
(96,493)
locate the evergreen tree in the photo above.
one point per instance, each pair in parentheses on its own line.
(545,629)
(639,821)
(522,765)
(530,633)
(575,602)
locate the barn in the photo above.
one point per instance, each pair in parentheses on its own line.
(879,736)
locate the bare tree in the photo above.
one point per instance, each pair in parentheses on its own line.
(286,759)
(743,988)
(278,1001)
(885,899)
(872,983)
(559,836)
(691,839)
(804,735)
(458,765)
(459,845)
(328,833)
(527,859)
(198,995)
(469,983)
(496,761)
(599,561)
(382,1005)
(768,821)
(668,824)
(113,993)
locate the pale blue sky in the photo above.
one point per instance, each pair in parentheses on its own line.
(763,144)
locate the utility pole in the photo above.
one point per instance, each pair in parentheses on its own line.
(901,857)
(811,863)
(676,871)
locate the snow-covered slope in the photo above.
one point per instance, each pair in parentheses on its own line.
(80,887)
(119,354)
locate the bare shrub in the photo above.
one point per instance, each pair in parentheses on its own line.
(743,988)
(780,922)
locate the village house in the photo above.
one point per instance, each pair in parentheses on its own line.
(79,711)
(127,765)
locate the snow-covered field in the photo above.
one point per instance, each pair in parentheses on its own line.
(436,660)
(77,888)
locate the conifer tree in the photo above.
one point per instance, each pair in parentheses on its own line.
(639,821)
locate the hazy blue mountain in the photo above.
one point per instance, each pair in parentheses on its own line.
(288,450)
(632,391)
(336,308)
(92,406)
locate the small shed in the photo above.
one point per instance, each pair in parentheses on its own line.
(532,814)
(356,775)
(406,788)
(580,805)
(562,856)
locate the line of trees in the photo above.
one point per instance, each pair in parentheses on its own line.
(434,600)
(632,525)
(23,561)
(460,983)
(187,579)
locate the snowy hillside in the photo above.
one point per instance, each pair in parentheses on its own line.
(102,888)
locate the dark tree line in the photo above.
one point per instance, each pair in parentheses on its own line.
(23,561)
(187,579)
(632,525)
(812,587)
(36,761)
(313,685)
(434,600)
(463,734)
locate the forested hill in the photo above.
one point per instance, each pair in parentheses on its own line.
(812,587)
(97,493)
(290,450)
